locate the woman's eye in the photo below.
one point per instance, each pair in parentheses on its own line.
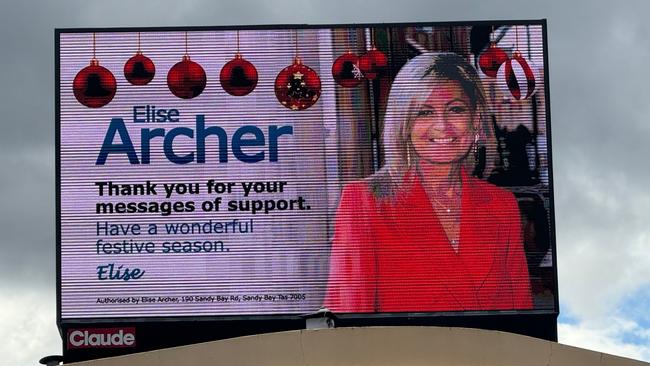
(457,109)
(424,112)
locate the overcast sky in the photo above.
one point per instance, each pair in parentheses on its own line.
(600,103)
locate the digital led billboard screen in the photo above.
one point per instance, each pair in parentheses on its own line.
(273,171)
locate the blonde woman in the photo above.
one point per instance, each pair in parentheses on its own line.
(422,234)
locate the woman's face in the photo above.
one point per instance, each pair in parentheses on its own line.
(443,128)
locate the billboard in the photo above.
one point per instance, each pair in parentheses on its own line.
(226,173)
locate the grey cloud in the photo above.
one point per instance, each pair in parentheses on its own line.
(27,217)
(598,76)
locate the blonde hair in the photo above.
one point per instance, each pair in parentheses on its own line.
(411,87)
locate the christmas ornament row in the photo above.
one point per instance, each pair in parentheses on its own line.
(515,74)
(297,86)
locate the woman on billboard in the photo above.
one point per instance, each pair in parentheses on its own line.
(423,234)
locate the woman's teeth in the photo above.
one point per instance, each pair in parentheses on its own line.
(442,141)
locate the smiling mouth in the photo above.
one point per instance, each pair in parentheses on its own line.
(446,140)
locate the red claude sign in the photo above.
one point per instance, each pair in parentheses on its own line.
(101,338)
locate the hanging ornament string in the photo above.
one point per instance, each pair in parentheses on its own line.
(238,77)
(297,86)
(139,69)
(295,42)
(94,86)
(516,43)
(186,53)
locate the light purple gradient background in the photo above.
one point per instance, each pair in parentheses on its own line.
(288,251)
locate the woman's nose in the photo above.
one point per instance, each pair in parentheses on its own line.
(438,121)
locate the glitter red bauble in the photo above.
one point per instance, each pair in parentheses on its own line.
(186,79)
(345,70)
(238,77)
(94,86)
(297,86)
(139,69)
(373,63)
(517,77)
(492,59)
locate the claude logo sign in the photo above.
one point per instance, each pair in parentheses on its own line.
(101,338)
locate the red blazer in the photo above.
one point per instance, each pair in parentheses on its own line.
(392,254)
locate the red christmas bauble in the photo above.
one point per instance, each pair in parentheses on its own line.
(373,63)
(346,71)
(94,86)
(297,86)
(517,77)
(238,77)
(139,69)
(492,59)
(186,79)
